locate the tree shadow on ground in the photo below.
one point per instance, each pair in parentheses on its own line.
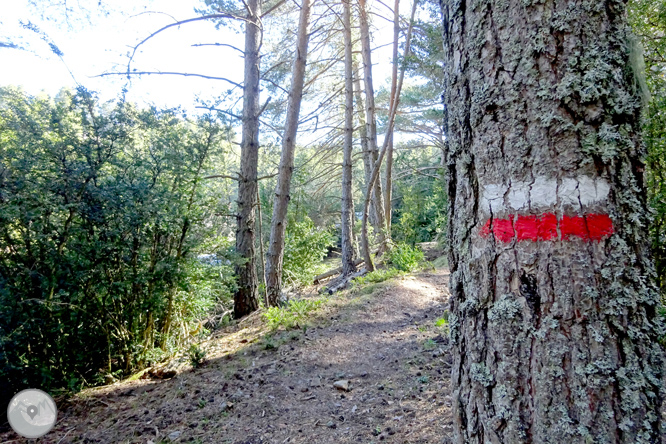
(262,387)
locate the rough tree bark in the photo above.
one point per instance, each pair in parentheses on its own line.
(371,121)
(553,308)
(348,266)
(278,223)
(245,298)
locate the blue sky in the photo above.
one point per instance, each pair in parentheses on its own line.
(100,45)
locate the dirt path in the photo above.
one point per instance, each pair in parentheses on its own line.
(255,390)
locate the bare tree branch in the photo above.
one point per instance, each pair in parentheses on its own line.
(235,116)
(221,44)
(273,8)
(222,176)
(263,108)
(185,74)
(267,176)
(226,15)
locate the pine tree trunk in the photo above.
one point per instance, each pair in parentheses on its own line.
(246,297)
(395,101)
(371,121)
(388,186)
(363,136)
(348,266)
(392,102)
(553,308)
(281,202)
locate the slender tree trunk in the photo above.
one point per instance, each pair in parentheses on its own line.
(371,121)
(261,247)
(367,156)
(388,186)
(279,220)
(392,98)
(365,244)
(553,307)
(245,299)
(348,266)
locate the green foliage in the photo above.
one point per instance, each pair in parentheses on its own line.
(440,262)
(442,322)
(429,344)
(305,247)
(293,315)
(197,355)
(404,257)
(420,214)
(648,19)
(102,212)
(377,276)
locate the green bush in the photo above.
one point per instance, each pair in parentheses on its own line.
(420,210)
(101,212)
(305,247)
(293,314)
(405,257)
(197,355)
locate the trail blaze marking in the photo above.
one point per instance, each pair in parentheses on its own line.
(546,193)
(591,227)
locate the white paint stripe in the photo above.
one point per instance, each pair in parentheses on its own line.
(544,193)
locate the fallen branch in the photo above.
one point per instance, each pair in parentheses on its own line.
(319,278)
(342,282)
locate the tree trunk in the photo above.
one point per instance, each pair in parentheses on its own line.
(371,121)
(553,306)
(365,244)
(347,222)
(392,98)
(261,246)
(388,186)
(367,155)
(278,222)
(245,299)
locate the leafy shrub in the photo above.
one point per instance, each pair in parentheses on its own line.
(294,314)
(305,247)
(197,355)
(101,211)
(405,257)
(420,212)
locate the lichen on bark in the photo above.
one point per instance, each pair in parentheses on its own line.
(554,340)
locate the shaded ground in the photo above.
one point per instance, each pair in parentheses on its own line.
(253,389)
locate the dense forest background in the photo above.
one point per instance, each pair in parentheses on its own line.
(117,222)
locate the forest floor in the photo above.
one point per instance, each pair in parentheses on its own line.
(379,343)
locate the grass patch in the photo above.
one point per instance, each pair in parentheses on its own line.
(377,276)
(441,262)
(443,322)
(429,345)
(293,315)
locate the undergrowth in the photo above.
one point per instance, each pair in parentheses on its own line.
(293,315)
(404,257)
(377,276)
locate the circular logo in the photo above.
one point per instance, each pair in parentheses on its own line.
(32,413)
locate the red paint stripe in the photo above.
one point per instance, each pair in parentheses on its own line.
(600,226)
(574,227)
(592,227)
